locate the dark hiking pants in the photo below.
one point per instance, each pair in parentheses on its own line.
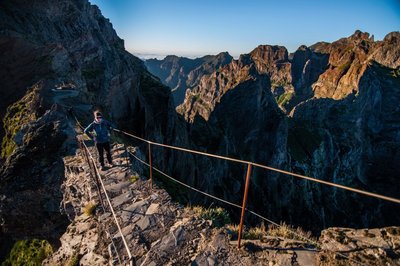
(100,148)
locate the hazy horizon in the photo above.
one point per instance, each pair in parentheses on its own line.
(155,28)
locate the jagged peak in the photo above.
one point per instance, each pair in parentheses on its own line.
(267,47)
(360,35)
(303,47)
(392,36)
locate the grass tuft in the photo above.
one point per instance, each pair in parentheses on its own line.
(89,209)
(72,261)
(218,216)
(134,178)
(289,232)
(258,233)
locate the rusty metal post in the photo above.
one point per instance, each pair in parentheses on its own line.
(151,167)
(246,189)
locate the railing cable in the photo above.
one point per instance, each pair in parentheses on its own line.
(111,207)
(367,193)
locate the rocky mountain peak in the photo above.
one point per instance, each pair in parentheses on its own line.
(269,54)
(359,35)
(392,37)
(180,73)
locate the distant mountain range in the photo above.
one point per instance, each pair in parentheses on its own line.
(329,111)
(180,73)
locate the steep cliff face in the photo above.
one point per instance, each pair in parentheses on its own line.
(180,73)
(353,141)
(70,57)
(233,112)
(342,127)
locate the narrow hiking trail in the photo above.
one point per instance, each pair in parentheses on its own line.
(159,231)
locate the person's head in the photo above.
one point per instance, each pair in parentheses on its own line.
(98,117)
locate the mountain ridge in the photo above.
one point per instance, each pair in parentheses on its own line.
(260,107)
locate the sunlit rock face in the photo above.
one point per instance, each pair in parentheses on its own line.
(338,121)
(60,58)
(180,73)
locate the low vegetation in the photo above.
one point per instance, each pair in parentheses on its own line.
(18,114)
(218,216)
(89,209)
(134,178)
(289,232)
(73,260)
(28,252)
(252,233)
(283,230)
(284,98)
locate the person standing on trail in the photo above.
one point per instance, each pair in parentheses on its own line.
(102,128)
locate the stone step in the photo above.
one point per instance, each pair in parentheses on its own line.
(117,188)
(122,199)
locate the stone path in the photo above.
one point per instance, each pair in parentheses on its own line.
(161,232)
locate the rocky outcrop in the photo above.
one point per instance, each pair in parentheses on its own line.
(74,54)
(352,142)
(180,73)
(338,122)
(30,181)
(338,128)
(160,232)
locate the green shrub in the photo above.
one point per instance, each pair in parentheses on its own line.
(89,209)
(284,98)
(73,261)
(28,252)
(218,216)
(18,114)
(134,178)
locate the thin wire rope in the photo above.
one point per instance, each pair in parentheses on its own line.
(111,207)
(103,207)
(185,185)
(251,163)
(367,193)
(238,206)
(222,200)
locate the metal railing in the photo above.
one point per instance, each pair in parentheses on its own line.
(248,175)
(247,184)
(91,161)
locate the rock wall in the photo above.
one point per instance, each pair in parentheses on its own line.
(340,125)
(72,55)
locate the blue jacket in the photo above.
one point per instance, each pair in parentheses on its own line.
(101,129)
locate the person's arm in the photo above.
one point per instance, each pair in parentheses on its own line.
(110,125)
(87,131)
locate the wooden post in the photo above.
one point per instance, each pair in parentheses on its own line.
(246,189)
(151,167)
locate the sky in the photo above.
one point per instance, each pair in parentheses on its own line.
(193,28)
